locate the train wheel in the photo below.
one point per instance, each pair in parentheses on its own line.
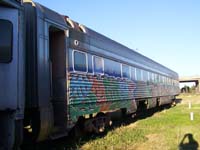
(101,122)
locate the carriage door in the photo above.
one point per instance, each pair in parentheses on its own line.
(57,52)
(8,58)
(9,75)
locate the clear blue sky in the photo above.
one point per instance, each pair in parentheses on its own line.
(168,31)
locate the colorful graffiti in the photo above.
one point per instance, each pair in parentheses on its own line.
(90,94)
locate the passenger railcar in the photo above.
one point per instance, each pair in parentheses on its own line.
(56,74)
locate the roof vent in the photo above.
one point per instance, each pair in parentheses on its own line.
(82,28)
(69,22)
(29,1)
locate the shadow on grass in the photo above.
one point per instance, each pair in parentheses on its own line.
(68,143)
(188,143)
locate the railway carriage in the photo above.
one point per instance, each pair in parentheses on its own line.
(106,76)
(67,75)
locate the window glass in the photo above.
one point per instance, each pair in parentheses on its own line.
(160,79)
(163,79)
(148,76)
(145,75)
(153,76)
(133,73)
(112,68)
(139,74)
(167,80)
(157,78)
(6,29)
(125,71)
(98,65)
(80,61)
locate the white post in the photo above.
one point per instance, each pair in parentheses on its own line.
(191,116)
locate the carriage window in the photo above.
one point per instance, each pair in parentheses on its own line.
(166,81)
(156,78)
(152,76)
(139,74)
(133,73)
(163,79)
(112,68)
(160,79)
(145,75)
(98,64)
(148,76)
(80,63)
(6,29)
(125,71)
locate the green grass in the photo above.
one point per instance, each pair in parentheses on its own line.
(164,130)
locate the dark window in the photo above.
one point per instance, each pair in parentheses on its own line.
(112,68)
(80,61)
(6,29)
(125,71)
(98,65)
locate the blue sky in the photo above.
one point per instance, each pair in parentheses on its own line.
(168,31)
